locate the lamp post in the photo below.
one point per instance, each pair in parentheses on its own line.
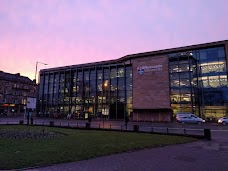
(36,73)
(36,67)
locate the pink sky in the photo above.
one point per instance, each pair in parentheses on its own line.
(69,32)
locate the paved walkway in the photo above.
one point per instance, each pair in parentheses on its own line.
(198,156)
(201,155)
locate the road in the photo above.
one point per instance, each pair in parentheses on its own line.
(99,123)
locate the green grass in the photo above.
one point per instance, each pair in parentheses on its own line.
(76,145)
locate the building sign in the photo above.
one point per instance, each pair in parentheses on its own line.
(143,69)
(31,103)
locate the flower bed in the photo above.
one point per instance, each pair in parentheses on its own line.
(28,134)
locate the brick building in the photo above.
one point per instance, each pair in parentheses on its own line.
(14,90)
(150,86)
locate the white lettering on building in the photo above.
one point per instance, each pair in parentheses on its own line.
(143,69)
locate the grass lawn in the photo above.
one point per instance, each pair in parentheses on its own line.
(76,145)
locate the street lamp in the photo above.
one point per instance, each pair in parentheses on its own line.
(36,73)
(36,67)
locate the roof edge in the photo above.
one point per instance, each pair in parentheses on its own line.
(144,54)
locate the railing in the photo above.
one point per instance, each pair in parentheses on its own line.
(197,133)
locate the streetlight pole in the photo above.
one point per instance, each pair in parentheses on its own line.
(36,73)
(36,67)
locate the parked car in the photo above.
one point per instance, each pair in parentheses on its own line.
(223,120)
(188,118)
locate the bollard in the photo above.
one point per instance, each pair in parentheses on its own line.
(87,125)
(136,128)
(51,123)
(21,122)
(207,134)
(31,121)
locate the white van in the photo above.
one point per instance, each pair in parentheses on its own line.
(188,118)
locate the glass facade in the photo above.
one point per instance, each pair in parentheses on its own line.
(198,82)
(102,90)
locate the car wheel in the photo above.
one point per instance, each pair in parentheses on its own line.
(224,123)
(182,122)
(199,123)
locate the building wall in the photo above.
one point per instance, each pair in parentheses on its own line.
(151,89)
(152,115)
(14,93)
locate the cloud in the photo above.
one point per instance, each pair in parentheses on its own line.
(65,32)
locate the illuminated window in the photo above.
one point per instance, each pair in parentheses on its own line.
(214,81)
(223,80)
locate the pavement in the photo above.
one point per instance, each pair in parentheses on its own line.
(197,156)
(202,155)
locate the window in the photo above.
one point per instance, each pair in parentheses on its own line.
(173,68)
(203,55)
(212,53)
(223,80)
(213,67)
(120,72)
(99,75)
(113,73)
(214,81)
(183,67)
(221,53)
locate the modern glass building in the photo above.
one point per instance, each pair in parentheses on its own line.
(198,82)
(151,86)
(101,89)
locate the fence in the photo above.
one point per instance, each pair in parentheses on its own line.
(197,133)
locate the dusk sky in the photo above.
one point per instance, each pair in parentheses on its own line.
(69,32)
